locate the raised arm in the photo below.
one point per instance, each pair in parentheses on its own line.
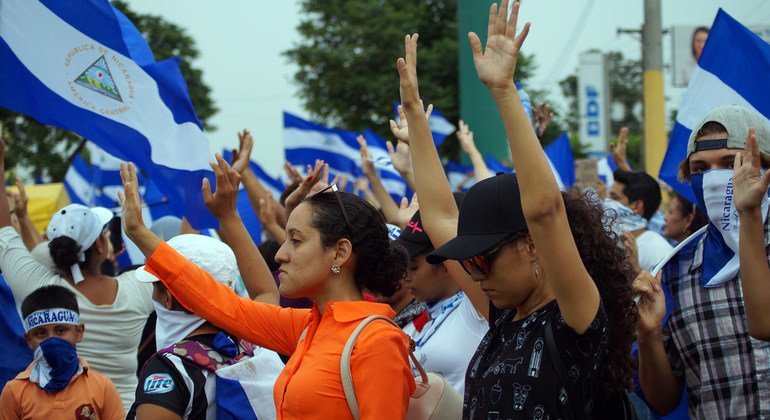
(750,191)
(465,137)
(541,199)
(223,205)
(438,208)
(268,216)
(254,189)
(620,151)
(263,324)
(388,206)
(661,388)
(27,229)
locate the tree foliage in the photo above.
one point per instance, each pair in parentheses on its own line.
(347,59)
(47,150)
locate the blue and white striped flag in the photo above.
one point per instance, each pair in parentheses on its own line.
(440,127)
(97,183)
(459,175)
(733,69)
(82,66)
(306,141)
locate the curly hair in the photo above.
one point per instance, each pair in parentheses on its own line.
(380,264)
(609,267)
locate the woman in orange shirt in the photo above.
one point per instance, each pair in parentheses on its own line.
(336,245)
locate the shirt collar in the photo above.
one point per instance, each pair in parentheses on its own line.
(28,371)
(357,310)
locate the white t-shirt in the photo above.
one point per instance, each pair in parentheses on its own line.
(113,332)
(448,350)
(652,249)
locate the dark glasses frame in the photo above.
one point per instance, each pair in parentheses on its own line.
(335,191)
(483,262)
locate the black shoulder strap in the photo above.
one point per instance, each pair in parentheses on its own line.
(561,370)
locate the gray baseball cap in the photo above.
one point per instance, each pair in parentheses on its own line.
(737,120)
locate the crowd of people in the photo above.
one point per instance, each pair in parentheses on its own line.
(528,301)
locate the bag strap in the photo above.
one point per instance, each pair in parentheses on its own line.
(561,370)
(347,379)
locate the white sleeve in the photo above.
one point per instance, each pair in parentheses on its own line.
(23,273)
(141,293)
(471,317)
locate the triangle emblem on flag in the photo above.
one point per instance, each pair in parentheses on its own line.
(98,78)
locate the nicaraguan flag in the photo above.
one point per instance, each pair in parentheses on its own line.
(82,66)
(734,69)
(440,127)
(78,181)
(559,154)
(97,183)
(306,141)
(458,176)
(393,182)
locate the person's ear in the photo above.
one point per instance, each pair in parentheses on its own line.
(342,252)
(531,250)
(28,339)
(637,207)
(79,331)
(688,221)
(167,300)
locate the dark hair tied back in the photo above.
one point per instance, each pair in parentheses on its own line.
(64,252)
(380,265)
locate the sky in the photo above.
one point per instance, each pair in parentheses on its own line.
(241,42)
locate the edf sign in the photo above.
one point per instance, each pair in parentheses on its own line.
(593,94)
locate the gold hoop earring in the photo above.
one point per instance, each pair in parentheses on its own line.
(336,269)
(536,266)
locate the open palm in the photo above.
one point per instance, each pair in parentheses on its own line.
(496,63)
(750,186)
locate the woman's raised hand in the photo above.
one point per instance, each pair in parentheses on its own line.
(496,63)
(224,201)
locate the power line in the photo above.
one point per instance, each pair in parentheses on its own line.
(566,52)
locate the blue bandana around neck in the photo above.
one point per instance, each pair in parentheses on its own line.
(224,345)
(714,196)
(57,363)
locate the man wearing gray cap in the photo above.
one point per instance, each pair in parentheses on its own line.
(706,342)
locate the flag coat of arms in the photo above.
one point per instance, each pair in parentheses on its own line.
(81,65)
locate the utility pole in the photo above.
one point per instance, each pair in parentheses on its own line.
(654,100)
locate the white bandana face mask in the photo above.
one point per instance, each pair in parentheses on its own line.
(714,195)
(173,326)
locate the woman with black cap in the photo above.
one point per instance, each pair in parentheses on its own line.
(560,307)
(451,321)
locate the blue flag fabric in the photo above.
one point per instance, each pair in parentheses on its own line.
(733,69)
(560,155)
(306,141)
(440,127)
(79,65)
(458,176)
(16,354)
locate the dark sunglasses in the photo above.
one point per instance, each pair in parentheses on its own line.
(335,190)
(483,262)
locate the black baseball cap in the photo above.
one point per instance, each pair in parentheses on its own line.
(414,238)
(490,212)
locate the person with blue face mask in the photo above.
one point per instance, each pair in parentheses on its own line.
(57,384)
(711,293)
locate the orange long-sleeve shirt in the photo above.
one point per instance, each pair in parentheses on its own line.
(310,386)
